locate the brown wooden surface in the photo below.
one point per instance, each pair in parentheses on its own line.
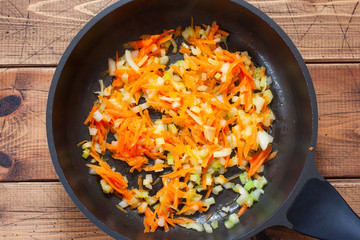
(34,35)
(23,133)
(37,32)
(45,211)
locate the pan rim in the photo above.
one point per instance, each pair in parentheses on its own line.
(279,213)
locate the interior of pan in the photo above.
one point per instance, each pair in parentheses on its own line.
(77,79)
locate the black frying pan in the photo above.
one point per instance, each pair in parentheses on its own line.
(296,195)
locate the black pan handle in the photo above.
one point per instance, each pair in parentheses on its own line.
(321,212)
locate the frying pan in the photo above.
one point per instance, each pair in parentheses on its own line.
(296,195)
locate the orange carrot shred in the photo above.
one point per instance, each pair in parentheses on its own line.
(187,121)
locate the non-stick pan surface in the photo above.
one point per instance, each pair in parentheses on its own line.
(76,78)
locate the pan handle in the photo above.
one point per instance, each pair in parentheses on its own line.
(321,212)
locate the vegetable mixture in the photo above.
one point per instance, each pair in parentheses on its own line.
(215,115)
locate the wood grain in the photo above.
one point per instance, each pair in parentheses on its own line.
(38,31)
(35,33)
(23,132)
(338,95)
(43,210)
(24,153)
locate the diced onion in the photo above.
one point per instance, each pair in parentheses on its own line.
(97,116)
(209,133)
(106,187)
(225,209)
(130,60)
(222,153)
(86,145)
(196,118)
(161,222)
(264,139)
(111,66)
(229,185)
(159,141)
(143,60)
(259,103)
(225,67)
(216,190)
(175,105)
(92,171)
(202,88)
(123,204)
(173,43)
(209,201)
(142,207)
(208,228)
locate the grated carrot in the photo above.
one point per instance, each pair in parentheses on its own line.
(209,115)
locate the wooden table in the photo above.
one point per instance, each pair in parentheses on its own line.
(34,35)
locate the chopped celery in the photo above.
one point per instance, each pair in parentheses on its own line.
(195,178)
(216,165)
(243,178)
(237,188)
(249,185)
(255,194)
(234,218)
(86,153)
(167,76)
(228,224)
(250,202)
(214,224)
(170,159)
(242,199)
(261,183)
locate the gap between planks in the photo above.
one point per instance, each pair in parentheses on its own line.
(44,210)
(310,62)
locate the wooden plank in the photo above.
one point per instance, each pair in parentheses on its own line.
(43,210)
(321,30)
(24,153)
(23,134)
(338,95)
(38,31)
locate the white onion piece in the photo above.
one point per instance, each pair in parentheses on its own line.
(97,116)
(130,60)
(222,153)
(264,139)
